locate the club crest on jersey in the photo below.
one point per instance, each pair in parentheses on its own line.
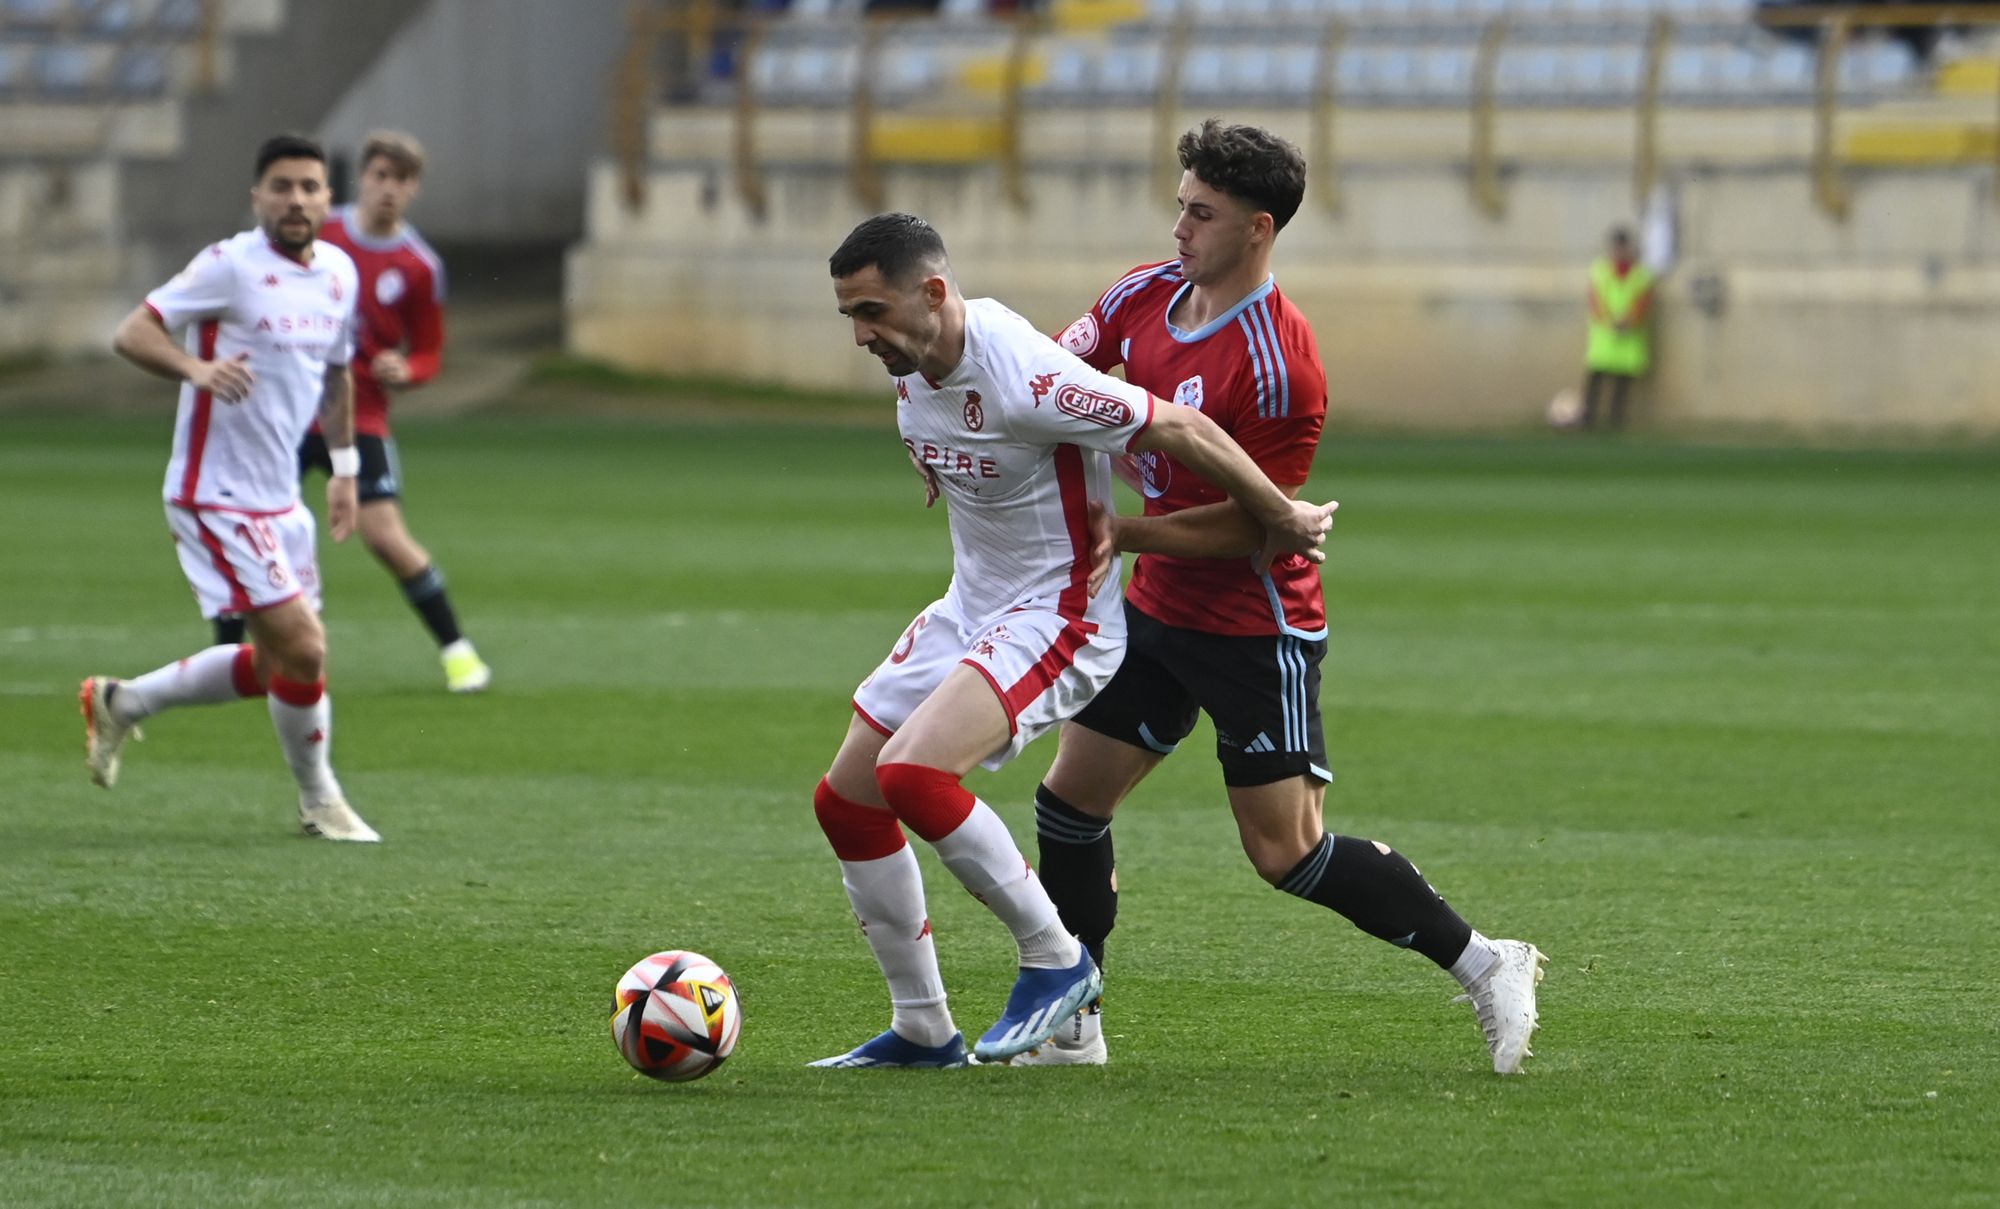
(1081,337)
(975,415)
(389,287)
(1107,410)
(1188,393)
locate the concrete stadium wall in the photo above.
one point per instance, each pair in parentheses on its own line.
(509,96)
(1428,313)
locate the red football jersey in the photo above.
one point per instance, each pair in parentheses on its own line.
(1255,371)
(402,307)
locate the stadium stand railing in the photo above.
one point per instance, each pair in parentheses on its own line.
(957,86)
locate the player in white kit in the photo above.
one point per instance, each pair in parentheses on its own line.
(269,318)
(1014,431)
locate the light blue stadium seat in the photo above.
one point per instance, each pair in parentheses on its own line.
(1129,71)
(140,72)
(1790,69)
(178,16)
(29,13)
(64,70)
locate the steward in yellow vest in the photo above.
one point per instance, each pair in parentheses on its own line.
(1621,337)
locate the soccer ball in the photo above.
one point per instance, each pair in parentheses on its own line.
(675,1016)
(1566,409)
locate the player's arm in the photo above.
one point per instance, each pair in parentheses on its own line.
(1288,526)
(1224,529)
(142,338)
(336,421)
(423,327)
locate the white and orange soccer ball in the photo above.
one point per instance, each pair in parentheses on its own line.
(676,1016)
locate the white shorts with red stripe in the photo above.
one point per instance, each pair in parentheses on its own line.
(1044,667)
(240,562)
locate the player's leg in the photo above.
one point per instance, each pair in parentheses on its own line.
(1020,677)
(885,887)
(388,538)
(291,660)
(1272,746)
(224,561)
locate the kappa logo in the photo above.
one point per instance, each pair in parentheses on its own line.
(270,279)
(1108,411)
(1081,337)
(902,391)
(1041,384)
(1188,393)
(337,291)
(975,415)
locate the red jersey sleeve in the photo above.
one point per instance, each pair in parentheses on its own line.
(423,330)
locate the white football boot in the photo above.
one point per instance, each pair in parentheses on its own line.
(104,732)
(331,818)
(1504,999)
(1079,1042)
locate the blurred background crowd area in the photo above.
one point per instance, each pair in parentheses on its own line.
(1814,184)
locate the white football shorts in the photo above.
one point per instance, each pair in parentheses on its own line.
(240,562)
(1043,666)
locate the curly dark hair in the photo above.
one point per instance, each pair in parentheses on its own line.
(896,244)
(1248,163)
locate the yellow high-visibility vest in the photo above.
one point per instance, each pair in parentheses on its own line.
(1628,352)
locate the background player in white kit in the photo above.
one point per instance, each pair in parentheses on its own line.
(1014,431)
(269,315)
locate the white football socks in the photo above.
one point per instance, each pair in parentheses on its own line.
(1472,965)
(306,734)
(982,854)
(203,678)
(887,895)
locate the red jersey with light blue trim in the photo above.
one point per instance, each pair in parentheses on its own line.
(1255,371)
(402,309)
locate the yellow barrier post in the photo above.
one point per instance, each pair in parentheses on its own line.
(743,141)
(631,98)
(1326,84)
(1646,155)
(1829,190)
(863,174)
(1013,174)
(1486,193)
(1166,105)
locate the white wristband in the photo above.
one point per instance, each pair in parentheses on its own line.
(346,461)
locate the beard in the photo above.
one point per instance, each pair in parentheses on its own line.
(293,232)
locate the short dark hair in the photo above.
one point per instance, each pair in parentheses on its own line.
(897,244)
(1622,236)
(1248,163)
(287,147)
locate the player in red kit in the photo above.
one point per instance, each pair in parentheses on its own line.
(1208,632)
(400,345)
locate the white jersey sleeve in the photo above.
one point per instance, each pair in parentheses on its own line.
(1066,401)
(203,290)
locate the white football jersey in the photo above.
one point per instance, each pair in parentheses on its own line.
(1017,435)
(243,295)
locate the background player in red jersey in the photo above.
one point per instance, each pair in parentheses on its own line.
(400,345)
(1210,329)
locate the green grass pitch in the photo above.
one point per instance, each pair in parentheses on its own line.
(1716,728)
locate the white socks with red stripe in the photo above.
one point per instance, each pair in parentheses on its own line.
(207,677)
(302,714)
(982,854)
(887,895)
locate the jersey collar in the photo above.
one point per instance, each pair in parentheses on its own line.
(350,221)
(1214,325)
